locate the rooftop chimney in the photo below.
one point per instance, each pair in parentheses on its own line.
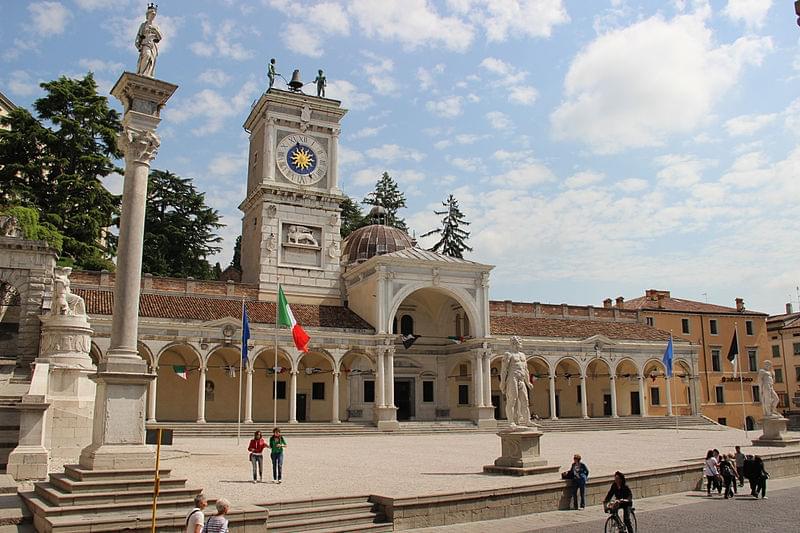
(620,302)
(607,303)
(739,304)
(789,309)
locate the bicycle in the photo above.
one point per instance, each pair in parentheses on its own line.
(614,523)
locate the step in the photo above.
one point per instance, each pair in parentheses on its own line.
(314,524)
(66,484)
(42,507)
(76,472)
(313,503)
(380,527)
(58,498)
(277,516)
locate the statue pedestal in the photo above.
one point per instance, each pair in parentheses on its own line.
(484,417)
(774,433)
(520,453)
(386,418)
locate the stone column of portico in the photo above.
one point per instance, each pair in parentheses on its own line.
(487,379)
(379,381)
(248,396)
(333,158)
(613,381)
(118,433)
(642,403)
(201,396)
(483,410)
(390,377)
(335,407)
(668,382)
(584,402)
(553,397)
(477,378)
(386,412)
(152,387)
(293,397)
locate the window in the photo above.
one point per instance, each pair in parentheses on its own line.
(715,362)
(720,390)
(650,321)
(722,421)
(463,395)
(462,370)
(712,327)
(318,391)
(776,350)
(756,394)
(580,394)
(281,390)
(685,326)
(796,348)
(369,391)
(394,325)
(748,327)
(655,396)
(778,375)
(797,373)
(407,325)
(752,358)
(784,400)
(427,391)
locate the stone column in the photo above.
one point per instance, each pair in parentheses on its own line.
(201,396)
(335,408)
(386,412)
(379,381)
(487,380)
(390,377)
(477,378)
(642,402)
(29,459)
(152,387)
(293,397)
(248,396)
(613,381)
(333,159)
(553,397)
(584,401)
(118,434)
(483,412)
(269,151)
(668,382)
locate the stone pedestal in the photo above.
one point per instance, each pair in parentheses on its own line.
(386,418)
(520,453)
(29,460)
(484,417)
(774,433)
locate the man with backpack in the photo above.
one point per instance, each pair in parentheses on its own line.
(195,519)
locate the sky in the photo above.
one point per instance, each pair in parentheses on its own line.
(598,148)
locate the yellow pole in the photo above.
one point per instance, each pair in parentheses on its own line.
(156,480)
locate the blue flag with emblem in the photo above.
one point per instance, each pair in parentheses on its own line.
(667,359)
(245,334)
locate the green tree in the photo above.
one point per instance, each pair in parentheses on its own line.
(388,195)
(352,216)
(179,228)
(28,221)
(452,238)
(54,164)
(236,262)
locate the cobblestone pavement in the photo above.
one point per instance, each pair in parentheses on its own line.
(410,465)
(688,511)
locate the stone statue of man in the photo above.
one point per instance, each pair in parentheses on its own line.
(147,39)
(515,384)
(271,73)
(64,301)
(321,83)
(769,398)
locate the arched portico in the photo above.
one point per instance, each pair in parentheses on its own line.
(432,310)
(630,397)
(180,376)
(570,385)
(358,387)
(263,380)
(659,393)
(221,392)
(600,389)
(317,398)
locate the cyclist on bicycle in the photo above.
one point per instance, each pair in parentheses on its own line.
(623,498)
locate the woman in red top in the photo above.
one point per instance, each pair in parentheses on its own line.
(256,449)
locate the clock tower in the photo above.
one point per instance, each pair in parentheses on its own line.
(290,227)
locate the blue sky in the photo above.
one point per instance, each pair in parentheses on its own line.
(599,148)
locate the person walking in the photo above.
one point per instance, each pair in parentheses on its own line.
(277,444)
(195,518)
(218,523)
(579,474)
(256,449)
(623,499)
(711,471)
(758,478)
(728,472)
(739,457)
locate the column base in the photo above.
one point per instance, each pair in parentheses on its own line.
(117,457)
(484,417)
(520,453)
(293,422)
(28,462)
(386,418)
(774,433)
(336,421)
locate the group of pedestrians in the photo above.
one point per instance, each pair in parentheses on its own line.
(195,520)
(726,470)
(619,495)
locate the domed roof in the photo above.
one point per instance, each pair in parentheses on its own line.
(373,240)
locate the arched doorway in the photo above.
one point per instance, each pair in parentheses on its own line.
(750,423)
(599,398)
(460,395)
(315,387)
(628,393)
(266,378)
(431,312)
(357,395)
(568,388)
(178,383)
(222,385)
(539,397)
(655,388)
(9,320)
(682,389)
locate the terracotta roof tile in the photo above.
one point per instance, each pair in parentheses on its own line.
(681,305)
(576,329)
(101,302)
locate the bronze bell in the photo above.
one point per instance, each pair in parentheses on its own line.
(296,84)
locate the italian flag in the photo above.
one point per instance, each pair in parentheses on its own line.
(286,318)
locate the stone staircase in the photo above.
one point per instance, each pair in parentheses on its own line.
(626,423)
(326,515)
(81,500)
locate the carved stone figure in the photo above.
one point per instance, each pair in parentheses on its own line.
(9,226)
(141,146)
(64,302)
(321,83)
(769,398)
(515,384)
(271,73)
(301,235)
(147,39)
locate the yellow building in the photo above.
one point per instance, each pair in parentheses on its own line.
(712,327)
(784,340)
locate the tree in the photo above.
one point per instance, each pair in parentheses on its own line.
(236,262)
(179,228)
(352,216)
(387,194)
(28,222)
(453,239)
(54,164)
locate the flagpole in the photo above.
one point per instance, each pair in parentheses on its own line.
(275,366)
(739,372)
(239,417)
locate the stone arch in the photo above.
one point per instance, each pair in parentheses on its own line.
(357,385)
(598,387)
(95,353)
(353,355)
(182,345)
(177,397)
(269,351)
(654,373)
(146,353)
(542,359)
(459,380)
(263,380)
(615,366)
(14,315)
(222,383)
(315,380)
(459,295)
(629,402)
(567,371)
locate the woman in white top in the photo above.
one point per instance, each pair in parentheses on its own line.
(711,470)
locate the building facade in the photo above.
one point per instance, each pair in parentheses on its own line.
(724,398)
(784,341)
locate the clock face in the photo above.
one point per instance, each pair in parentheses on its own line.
(302,159)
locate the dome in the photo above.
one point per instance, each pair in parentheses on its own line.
(373,240)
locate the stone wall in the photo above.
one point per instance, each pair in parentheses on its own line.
(540,310)
(456,508)
(154,285)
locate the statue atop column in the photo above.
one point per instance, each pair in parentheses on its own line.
(147,39)
(769,398)
(64,302)
(515,384)
(321,82)
(271,73)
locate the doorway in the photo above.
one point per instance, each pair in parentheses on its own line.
(558,406)
(496,403)
(606,405)
(301,407)
(635,410)
(404,398)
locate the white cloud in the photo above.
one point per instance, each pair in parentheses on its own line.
(522,95)
(426,77)
(21,84)
(412,23)
(100,65)
(349,157)
(348,94)
(228,164)
(369,175)
(49,18)
(750,12)
(91,5)
(524,176)
(749,171)
(522,18)
(219,41)
(214,77)
(212,108)
(582,179)
(638,85)
(499,121)
(748,124)
(394,152)
(682,170)
(378,71)
(319,21)
(449,107)
(792,117)
(363,133)
(468,164)
(508,73)
(297,38)
(632,185)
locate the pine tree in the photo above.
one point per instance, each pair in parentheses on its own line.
(236,262)
(352,217)
(453,238)
(387,194)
